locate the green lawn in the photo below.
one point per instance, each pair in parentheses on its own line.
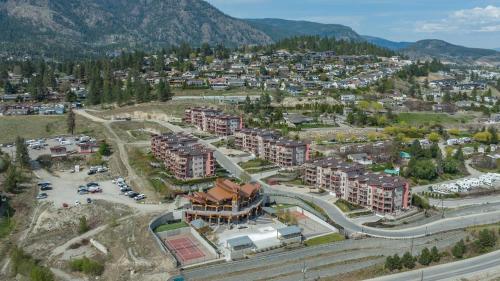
(171,226)
(325,239)
(284,206)
(360,214)
(345,206)
(255,163)
(413,118)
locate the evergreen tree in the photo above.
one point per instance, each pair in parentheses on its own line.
(487,239)
(71,122)
(12,179)
(397,262)
(408,261)
(435,256)
(425,257)
(389,263)
(459,249)
(459,155)
(163,91)
(494,135)
(248,106)
(22,155)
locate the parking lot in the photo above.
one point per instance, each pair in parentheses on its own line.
(65,191)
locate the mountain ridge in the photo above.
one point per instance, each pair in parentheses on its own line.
(381,42)
(279,29)
(98,24)
(81,27)
(436,48)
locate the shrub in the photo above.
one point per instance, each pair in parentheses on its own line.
(87,266)
(83,225)
(459,249)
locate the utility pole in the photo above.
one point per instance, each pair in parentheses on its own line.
(304,271)
(422,276)
(411,248)
(442,207)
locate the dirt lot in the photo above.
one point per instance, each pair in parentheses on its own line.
(171,109)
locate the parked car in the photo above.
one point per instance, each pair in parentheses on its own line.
(133,194)
(45,187)
(95,189)
(42,196)
(125,189)
(89,201)
(90,184)
(139,197)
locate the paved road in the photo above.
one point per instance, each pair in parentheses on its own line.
(450,271)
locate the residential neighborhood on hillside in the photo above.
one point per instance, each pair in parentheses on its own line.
(214,140)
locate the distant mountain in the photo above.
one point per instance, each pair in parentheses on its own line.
(279,29)
(106,24)
(384,43)
(445,51)
(497,49)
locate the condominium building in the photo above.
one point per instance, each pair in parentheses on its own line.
(225,202)
(331,173)
(268,145)
(213,121)
(379,192)
(183,156)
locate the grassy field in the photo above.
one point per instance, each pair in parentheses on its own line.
(414,118)
(37,126)
(171,226)
(325,239)
(31,127)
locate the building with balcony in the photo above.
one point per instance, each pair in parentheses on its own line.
(213,121)
(349,181)
(268,145)
(183,156)
(226,202)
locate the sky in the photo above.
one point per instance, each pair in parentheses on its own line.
(472,23)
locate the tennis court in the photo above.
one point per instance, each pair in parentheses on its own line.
(187,249)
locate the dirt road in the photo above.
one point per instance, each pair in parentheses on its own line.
(132,176)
